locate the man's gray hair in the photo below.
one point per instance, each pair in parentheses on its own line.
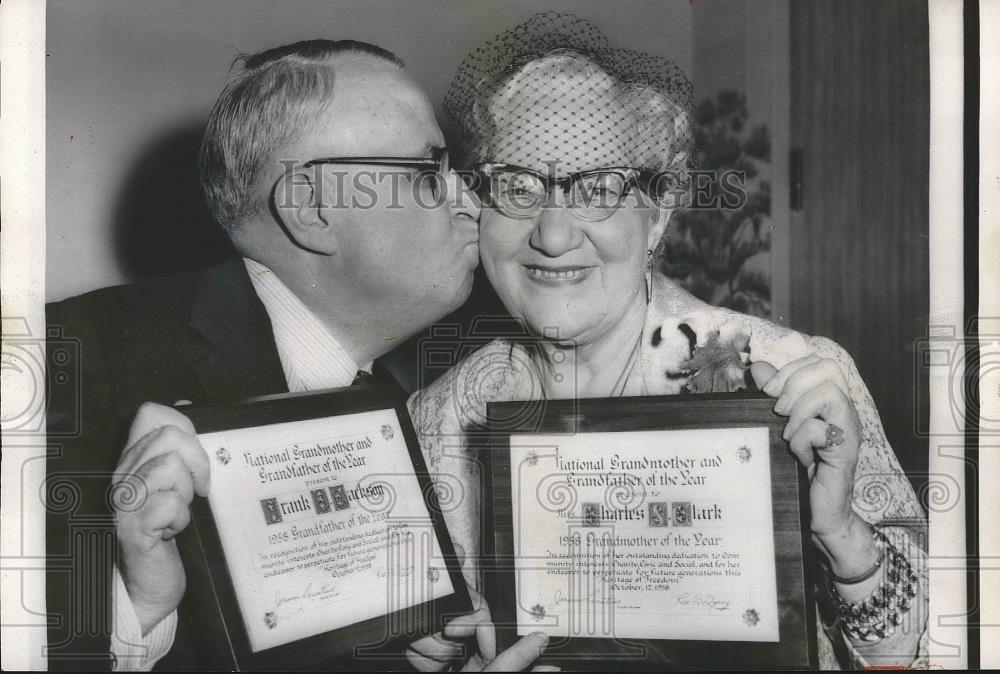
(264,107)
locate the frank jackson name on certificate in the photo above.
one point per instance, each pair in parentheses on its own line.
(323,524)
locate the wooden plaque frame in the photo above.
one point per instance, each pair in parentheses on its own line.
(374,643)
(797,648)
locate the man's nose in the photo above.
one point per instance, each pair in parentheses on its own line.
(556,230)
(462,199)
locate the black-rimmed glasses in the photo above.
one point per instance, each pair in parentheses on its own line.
(434,169)
(593,195)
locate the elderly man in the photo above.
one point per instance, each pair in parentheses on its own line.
(334,266)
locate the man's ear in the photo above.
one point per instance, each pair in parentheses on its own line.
(661,218)
(299,201)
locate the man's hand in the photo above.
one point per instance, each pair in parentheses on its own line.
(159,473)
(436,652)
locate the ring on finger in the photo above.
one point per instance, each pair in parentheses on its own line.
(834,436)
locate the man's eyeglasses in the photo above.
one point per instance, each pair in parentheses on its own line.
(593,195)
(432,171)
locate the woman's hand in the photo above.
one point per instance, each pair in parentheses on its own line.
(824,433)
(442,650)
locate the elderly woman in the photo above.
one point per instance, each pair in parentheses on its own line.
(582,151)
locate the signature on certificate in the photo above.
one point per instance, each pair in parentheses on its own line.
(311,593)
(559,599)
(706,600)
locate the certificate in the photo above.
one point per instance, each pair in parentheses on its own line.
(321,529)
(653,529)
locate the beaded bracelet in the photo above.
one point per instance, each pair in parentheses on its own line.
(878,616)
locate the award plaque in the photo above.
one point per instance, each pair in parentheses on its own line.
(651,532)
(321,538)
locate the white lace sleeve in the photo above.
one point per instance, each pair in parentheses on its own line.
(883,496)
(882,492)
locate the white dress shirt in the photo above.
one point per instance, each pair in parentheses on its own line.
(311,359)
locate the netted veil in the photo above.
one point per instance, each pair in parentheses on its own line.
(556,82)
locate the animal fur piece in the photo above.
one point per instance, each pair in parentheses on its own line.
(709,351)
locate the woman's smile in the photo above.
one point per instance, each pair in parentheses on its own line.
(558,275)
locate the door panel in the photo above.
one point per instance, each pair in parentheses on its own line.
(858,253)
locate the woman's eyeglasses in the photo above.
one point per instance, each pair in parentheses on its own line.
(434,169)
(593,195)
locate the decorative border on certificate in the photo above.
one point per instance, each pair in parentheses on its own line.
(652,530)
(321,538)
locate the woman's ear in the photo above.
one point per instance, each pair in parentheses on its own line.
(657,228)
(300,205)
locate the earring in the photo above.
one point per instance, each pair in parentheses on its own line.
(649,275)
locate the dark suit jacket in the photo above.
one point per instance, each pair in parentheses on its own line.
(202,336)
